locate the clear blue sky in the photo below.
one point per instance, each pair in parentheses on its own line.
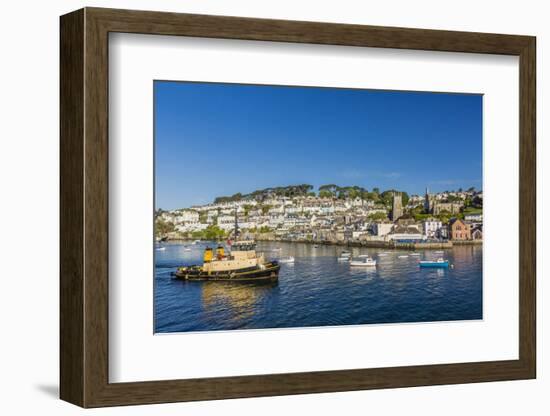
(220,139)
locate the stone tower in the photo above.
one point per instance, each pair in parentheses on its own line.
(397,207)
(428,202)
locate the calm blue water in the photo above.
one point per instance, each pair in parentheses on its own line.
(317,290)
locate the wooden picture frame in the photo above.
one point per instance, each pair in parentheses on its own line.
(84,207)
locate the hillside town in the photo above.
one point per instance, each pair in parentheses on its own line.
(333,215)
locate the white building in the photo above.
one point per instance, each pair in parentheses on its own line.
(382,228)
(405,233)
(432,228)
(226,222)
(276,220)
(293,209)
(190,227)
(474,217)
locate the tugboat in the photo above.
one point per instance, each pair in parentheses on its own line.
(242,264)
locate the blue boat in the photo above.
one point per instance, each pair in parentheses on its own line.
(436,263)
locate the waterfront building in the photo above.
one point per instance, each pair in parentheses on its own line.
(432,228)
(477,233)
(459,230)
(405,233)
(382,229)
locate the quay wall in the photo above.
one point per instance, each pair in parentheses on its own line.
(362,243)
(373,243)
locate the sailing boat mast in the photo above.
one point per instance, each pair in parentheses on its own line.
(236,231)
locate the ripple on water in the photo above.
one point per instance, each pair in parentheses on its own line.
(317,290)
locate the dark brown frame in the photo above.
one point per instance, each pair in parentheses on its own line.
(84,207)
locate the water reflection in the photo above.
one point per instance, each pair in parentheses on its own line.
(319,290)
(237,300)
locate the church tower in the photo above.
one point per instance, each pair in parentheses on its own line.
(397,206)
(428,203)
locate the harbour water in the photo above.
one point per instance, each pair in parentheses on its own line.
(318,290)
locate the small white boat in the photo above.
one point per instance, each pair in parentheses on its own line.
(288,259)
(439,252)
(403,256)
(186,249)
(366,262)
(345,253)
(160,248)
(277,249)
(344,258)
(382,254)
(362,256)
(414,254)
(196,242)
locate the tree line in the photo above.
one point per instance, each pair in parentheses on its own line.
(324,191)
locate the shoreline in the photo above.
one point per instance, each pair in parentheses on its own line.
(366,244)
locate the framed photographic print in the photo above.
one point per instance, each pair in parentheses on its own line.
(255,207)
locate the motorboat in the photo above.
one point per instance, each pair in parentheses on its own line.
(437,263)
(364,262)
(288,259)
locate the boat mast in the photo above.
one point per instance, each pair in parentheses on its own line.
(236,225)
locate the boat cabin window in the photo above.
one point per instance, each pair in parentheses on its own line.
(243,247)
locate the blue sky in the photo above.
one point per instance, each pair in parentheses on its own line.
(214,139)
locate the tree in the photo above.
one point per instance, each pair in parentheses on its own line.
(477,202)
(212,232)
(372,196)
(247,208)
(332,189)
(163,227)
(377,216)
